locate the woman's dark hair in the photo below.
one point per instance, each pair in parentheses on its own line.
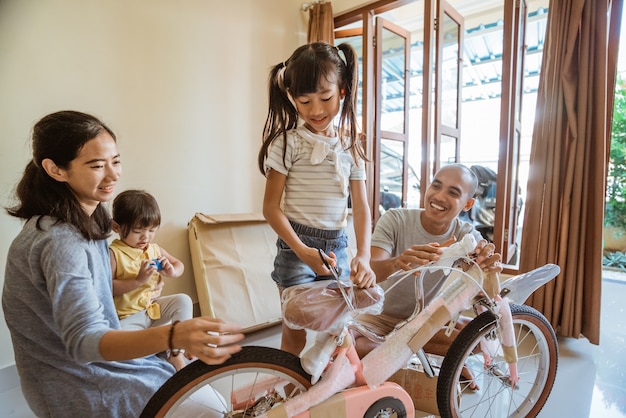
(301,74)
(60,136)
(135,209)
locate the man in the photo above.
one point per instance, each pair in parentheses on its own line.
(395,246)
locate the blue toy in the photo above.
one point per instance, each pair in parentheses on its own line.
(157,264)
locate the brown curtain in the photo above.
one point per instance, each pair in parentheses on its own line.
(565,205)
(321,23)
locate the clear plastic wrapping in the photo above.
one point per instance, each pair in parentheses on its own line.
(320,305)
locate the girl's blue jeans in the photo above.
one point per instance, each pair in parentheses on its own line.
(289,270)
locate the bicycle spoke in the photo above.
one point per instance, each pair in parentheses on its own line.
(536,369)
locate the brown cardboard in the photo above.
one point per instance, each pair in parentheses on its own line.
(232,257)
(421,388)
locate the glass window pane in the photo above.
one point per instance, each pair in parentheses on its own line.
(450,72)
(357,44)
(447,152)
(391,162)
(392,83)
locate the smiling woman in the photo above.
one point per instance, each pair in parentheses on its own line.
(75,167)
(57,296)
(92,175)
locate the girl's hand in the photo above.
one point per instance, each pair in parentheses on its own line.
(213,341)
(361,274)
(311,256)
(146,270)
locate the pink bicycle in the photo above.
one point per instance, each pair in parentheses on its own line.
(509,348)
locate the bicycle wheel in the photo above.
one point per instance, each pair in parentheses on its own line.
(251,382)
(538,356)
(386,408)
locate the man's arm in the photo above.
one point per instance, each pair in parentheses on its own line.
(384,264)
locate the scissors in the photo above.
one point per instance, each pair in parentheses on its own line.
(335,271)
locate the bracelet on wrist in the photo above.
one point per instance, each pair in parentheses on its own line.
(170,338)
(176,352)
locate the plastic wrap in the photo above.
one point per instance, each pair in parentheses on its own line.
(320,306)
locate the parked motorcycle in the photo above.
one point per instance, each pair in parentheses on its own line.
(483,214)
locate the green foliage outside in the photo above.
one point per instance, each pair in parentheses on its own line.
(615,211)
(614,259)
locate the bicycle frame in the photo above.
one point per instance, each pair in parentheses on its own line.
(394,353)
(262,381)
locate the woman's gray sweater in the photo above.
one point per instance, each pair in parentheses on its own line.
(57,301)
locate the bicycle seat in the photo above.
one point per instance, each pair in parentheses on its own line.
(320,306)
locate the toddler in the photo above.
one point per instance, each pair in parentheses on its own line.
(138,266)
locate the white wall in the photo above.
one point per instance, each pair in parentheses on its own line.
(340,6)
(181,83)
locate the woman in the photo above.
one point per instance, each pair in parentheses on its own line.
(71,354)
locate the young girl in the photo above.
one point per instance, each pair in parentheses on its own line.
(137,266)
(313,169)
(72,357)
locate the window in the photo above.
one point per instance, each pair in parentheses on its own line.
(479,63)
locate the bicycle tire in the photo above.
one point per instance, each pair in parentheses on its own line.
(249,368)
(386,407)
(538,360)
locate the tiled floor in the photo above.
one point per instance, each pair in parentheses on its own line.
(590,382)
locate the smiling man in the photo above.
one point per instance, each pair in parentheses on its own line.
(407,238)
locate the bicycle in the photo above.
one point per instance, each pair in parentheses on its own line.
(267,382)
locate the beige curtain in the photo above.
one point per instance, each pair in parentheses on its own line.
(321,23)
(564,212)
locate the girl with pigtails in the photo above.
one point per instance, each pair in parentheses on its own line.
(313,162)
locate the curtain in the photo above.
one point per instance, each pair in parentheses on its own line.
(568,163)
(321,23)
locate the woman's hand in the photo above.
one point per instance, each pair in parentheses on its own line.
(211,340)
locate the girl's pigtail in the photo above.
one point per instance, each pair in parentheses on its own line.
(348,128)
(281,116)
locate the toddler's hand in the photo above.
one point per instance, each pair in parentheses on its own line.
(166,266)
(146,270)
(156,291)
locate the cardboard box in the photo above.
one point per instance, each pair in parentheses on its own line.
(421,387)
(232,257)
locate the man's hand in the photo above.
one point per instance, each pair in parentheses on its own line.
(418,255)
(487,258)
